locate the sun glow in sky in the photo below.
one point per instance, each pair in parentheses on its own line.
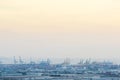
(60,28)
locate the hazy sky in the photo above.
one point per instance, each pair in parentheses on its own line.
(60,28)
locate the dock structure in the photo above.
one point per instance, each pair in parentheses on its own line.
(85,70)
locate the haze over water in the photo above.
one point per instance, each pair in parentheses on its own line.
(60,28)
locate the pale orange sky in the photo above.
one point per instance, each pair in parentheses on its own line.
(37,15)
(69,26)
